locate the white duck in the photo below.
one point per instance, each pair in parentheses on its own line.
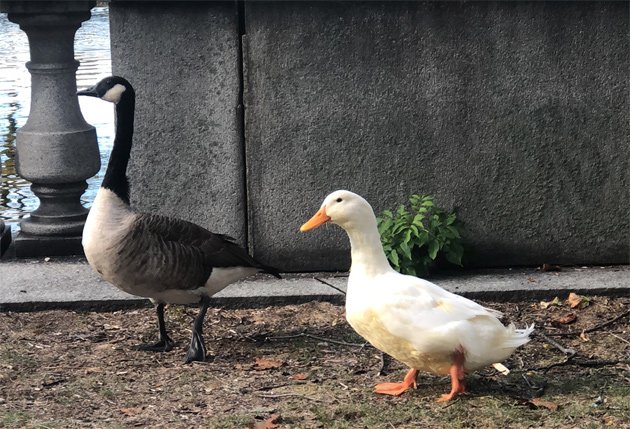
(413,320)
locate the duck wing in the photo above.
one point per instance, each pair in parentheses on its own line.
(431,317)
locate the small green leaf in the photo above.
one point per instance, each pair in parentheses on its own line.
(454,231)
(453,257)
(451,219)
(393,257)
(434,246)
(407,238)
(406,251)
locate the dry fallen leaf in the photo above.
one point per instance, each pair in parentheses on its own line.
(131,411)
(104,346)
(555,301)
(501,368)
(608,420)
(574,300)
(541,403)
(567,319)
(299,376)
(269,423)
(264,363)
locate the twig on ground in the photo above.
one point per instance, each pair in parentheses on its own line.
(275,386)
(328,284)
(572,360)
(619,338)
(289,395)
(315,337)
(386,360)
(594,328)
(569,352)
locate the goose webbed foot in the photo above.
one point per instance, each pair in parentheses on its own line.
(163,345)
(197,348)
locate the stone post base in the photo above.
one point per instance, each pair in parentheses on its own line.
(5,237)
(27,245)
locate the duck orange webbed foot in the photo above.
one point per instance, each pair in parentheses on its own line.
(453,394)
(457,376)
(397,389)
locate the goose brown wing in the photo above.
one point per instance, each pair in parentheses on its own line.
(171,253)
(222,251)
(219,250)
(172,229)
(165,253)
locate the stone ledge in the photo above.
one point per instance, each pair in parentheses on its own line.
(69,283)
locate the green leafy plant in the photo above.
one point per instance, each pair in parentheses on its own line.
(412,240)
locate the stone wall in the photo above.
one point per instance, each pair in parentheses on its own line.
(513,113)
(183,60)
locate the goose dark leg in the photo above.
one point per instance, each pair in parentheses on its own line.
(164,344)
(197,349)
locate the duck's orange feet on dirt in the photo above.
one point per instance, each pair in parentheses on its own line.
(457,376)
(397,389)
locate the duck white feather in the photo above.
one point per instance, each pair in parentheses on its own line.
(411,319)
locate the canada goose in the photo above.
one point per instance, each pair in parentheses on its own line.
(411,319)
(165,259)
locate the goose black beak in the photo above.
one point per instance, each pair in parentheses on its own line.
(91,92)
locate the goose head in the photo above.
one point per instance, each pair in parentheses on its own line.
(110,89)
(346,209)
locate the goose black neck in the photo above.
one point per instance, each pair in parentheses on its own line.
(116,175)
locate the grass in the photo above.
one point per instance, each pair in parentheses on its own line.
(64,369)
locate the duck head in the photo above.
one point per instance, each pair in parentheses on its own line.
(344,208)
(110,89)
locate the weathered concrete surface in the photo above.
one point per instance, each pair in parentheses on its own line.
(514,113)
(187,159)
(71,283)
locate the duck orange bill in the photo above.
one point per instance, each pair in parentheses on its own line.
(318,219)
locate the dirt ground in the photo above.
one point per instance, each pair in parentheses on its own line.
(301,366)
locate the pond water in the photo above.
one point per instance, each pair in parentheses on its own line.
(92,49)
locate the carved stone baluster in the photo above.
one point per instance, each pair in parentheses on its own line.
(56,149)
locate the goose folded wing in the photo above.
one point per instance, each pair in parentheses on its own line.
(164,258)
(172,229)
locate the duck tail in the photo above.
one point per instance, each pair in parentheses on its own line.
(517,337)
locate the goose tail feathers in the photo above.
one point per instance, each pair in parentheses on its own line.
(270,270)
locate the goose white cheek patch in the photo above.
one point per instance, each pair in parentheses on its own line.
(114,93)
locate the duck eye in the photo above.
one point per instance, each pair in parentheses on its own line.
(339,200)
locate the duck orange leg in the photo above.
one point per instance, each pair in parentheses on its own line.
(397,389)
(457,376)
